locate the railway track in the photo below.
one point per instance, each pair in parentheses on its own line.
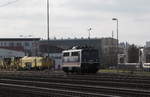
(49,89)
(124,83)
(97,76)
(87,78)
(60,85)
(102,89)
(80,90)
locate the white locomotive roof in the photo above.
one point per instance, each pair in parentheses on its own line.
(72,50)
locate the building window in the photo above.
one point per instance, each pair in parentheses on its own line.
(19,44)
(106,42)
(4,44)
(11,44)
(1,44)
(26,44)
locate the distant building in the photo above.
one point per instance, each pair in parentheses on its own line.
(146,53)
(57,60)
(123,52)
(106,47)
(53,52)
(29,45)
(147,44)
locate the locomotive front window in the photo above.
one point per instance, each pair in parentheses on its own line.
(74,57)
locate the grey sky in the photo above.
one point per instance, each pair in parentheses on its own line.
(72,18)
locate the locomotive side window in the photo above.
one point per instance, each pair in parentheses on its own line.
(75,54)
(75,57)
(66,54)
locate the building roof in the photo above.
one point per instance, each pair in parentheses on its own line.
(19,39)
(72,39)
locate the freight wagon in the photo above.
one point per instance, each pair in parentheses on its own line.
(26,63)
(37,63)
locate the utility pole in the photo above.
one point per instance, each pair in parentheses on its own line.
(112,50)
(48,27)
(48,20)
(48,32)
(115,19)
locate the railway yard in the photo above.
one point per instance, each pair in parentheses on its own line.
(58,84)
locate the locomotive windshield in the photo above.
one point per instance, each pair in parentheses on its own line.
(90,56)
(72,57)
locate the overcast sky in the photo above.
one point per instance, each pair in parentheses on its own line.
(72,18)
